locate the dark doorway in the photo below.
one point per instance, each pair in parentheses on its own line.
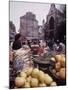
(51,23)
(61,31)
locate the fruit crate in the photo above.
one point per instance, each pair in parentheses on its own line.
(59,81)
(42,64)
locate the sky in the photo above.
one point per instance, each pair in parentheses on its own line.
(18,9)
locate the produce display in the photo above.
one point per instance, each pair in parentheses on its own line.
(59,68)
(27,74)
(22,59)
(33,77)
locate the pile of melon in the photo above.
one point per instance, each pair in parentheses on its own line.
(60,66)
(33,77)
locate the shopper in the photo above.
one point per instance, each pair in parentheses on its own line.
(50,44)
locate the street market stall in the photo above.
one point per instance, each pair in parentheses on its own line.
(28,70)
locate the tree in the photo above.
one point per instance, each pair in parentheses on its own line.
(12,26)
(12,31)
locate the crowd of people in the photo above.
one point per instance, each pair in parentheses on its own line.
(35,47)
(51,44)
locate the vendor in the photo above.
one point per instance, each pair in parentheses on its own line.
(21,55)
(17,43)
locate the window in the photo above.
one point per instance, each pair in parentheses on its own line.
(51,23)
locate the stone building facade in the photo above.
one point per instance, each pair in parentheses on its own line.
(29,26)
(54,18)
